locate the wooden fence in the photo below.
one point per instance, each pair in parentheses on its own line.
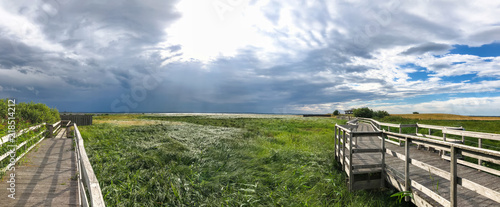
(81,120)
(345,139)
(26,145)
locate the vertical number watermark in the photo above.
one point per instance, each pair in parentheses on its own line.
(11,180)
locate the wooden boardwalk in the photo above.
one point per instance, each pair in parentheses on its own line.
(46,177)
(437,184)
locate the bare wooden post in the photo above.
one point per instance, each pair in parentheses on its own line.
(416,129)
(453,176)
(343,150)
(480,145)
(407,167)
(335,143)
(50,128)
(400,133)
(351,177)
(382,174)
(444,134)
(429,131)
(463,137)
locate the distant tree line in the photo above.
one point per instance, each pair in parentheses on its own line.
(369,113)
(33,113)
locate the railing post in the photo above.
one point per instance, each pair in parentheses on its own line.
(463,137)
(50,128)
(444,134)
(453,176)
(382,174)
(416,129)
(335,143)
(351,177)
(343,150)
(429,131)
(407,167)
(480,145)
(400,133)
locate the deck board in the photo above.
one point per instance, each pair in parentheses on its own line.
(465,197)
(46,177)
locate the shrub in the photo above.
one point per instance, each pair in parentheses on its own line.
(363,112)
(415,112)
(34,113)
(380,114)
(336,112)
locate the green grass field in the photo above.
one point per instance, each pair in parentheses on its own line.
(220,161)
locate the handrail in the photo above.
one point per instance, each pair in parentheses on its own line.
(7,137)
(341,144)
(87,181)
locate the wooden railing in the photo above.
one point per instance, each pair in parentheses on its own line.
(51,129)
(445,130)
(344,138)
(87,181)
(26,144)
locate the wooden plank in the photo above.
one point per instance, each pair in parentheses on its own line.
(483,157)
(395,154)
(430,126)
(487,192)
(482,135)
(431,169)
(430,193)
(366,134)
(429,136)
(476,166)
(366,150)
(356,167)
(408,125)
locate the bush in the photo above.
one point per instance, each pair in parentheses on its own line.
(415,112)
(336,112)
(363,112)
(368,113)
(33,113)
(380,114)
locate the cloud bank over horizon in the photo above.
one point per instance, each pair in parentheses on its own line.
(264,56)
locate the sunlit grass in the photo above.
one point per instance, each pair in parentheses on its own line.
(443,117)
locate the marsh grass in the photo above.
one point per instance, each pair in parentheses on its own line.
(209,161)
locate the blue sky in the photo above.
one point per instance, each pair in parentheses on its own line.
(263,56)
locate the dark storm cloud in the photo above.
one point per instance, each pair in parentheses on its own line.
(107,50)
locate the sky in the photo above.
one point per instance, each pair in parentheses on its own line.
(252,56)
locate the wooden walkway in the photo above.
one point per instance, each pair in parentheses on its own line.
(437,184)
(46,177)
